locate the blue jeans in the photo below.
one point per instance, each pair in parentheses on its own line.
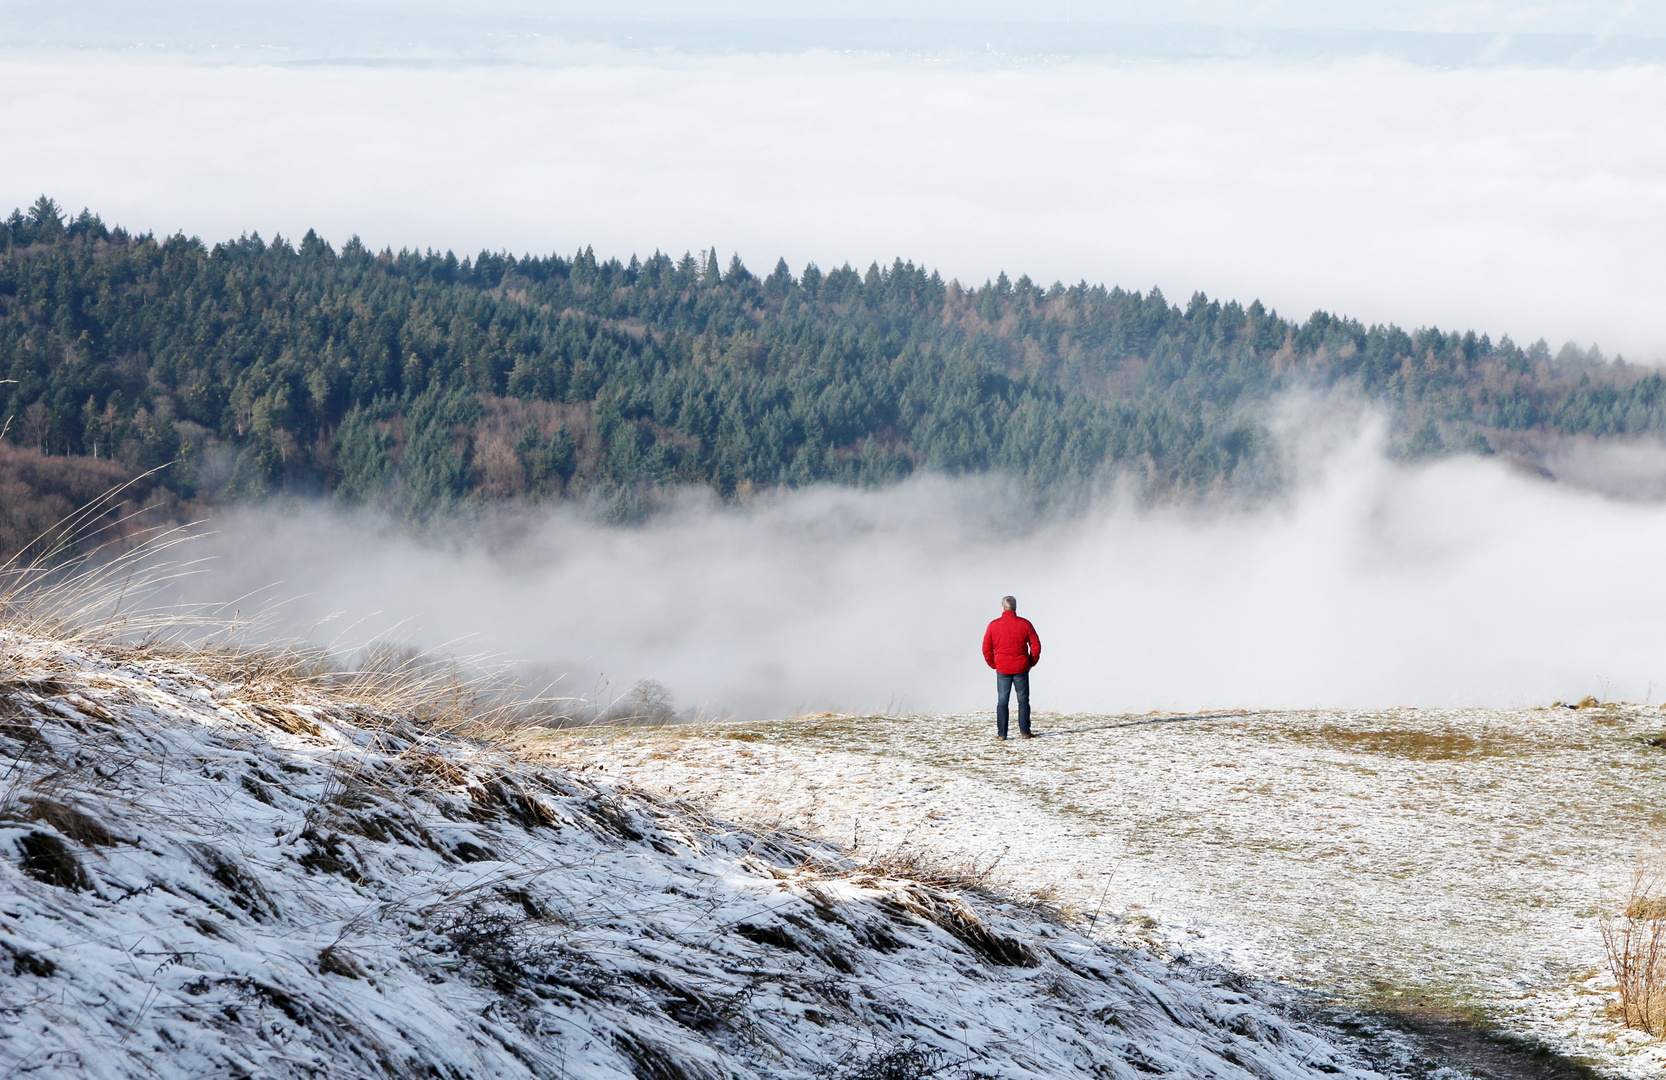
(1004,685)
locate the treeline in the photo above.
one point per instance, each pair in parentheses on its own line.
(425,381)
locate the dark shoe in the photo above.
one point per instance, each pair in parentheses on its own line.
(1025,735)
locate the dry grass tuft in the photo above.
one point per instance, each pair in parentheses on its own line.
(1417,745)
(82,579)
(914,863)
(431,770)
(911,866)
(1634,937)
(910,882)
(68,820)
(47,859)
(950,911)
(94,580)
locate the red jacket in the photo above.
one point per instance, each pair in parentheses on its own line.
(1011,645)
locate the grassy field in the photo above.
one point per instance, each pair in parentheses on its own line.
(1449,859)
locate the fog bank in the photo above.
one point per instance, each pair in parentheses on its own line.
(1374,584)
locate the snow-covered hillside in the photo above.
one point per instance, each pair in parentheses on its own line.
(246,878)
(1396,860)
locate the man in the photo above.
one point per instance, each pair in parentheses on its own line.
(1012,647)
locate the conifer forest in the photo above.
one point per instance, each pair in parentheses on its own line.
(427,383)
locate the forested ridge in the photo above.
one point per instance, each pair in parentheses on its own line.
(426,382)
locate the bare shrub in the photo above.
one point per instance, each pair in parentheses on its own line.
(505,942)
(907,1061)
(1634,937)
(647,704)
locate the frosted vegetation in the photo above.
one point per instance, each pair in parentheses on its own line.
(213,868)
(1422,863)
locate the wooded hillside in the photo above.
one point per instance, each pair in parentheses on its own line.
(429,382)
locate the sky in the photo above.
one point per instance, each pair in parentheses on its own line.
(315,20)
(1485,166)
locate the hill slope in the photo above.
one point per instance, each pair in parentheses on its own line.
(1402,859)
(234,876)
(428,381)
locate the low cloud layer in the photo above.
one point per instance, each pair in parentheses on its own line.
(1375,584)
(1521,201)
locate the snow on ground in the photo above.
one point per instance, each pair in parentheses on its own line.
(233,876)
(1456,858)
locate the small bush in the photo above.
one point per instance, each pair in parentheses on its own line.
(502,939)
(1634,937)
(906,1062)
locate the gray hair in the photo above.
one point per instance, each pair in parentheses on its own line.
(1009,603)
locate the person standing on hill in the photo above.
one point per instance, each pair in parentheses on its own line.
(1012,647)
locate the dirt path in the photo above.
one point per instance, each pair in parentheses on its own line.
(1447,859)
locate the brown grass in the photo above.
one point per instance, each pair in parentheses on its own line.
(1634,937)
(91,578)
(915,863)
(1418,745)
(85,573)
(68,820)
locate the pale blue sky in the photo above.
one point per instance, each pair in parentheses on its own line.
(334,26)
(1485,16)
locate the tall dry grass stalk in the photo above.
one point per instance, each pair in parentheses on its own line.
(48,590)
(78,588)
(1634,936)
